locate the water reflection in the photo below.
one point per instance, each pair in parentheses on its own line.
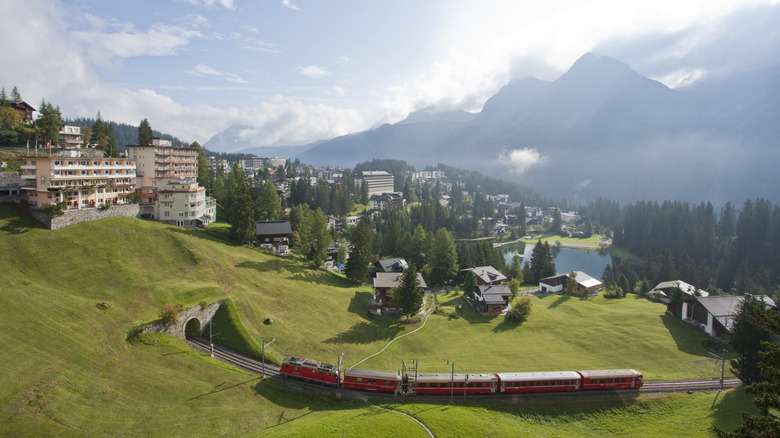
(590,262)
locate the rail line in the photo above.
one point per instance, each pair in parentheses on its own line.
(272,371)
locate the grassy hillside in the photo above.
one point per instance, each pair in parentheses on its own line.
(68,368)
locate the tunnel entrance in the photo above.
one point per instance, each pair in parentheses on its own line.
(192,328)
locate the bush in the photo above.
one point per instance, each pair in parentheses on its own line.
(613,292)
(170,313)
(521,310)
(57,209)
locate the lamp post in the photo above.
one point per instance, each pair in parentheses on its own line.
(262,340)
(452,381)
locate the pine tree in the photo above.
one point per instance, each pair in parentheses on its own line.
(49,122)
(444,258)
(767,391)
(542,263)
(145,133)
(407,294)
(470,284)
(746,339)
(360,252)
(268,206)
(241,213)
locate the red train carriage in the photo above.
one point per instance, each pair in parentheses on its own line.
(549,381)
(310,370)
(371,380)
(434,383)
(611,379)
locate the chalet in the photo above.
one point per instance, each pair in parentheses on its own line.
(24,109)
(714,315)
(492,299)
(557,283)
(274,235)
(485,275)
(383,283)
(664,291)
(333,223)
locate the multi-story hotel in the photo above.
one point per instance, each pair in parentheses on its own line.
(378,182)
(167,181)
(80,182)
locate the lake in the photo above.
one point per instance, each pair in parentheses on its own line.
(565,259)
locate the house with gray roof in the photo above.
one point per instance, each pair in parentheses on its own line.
(485,274)
(715,314)
(492,299)
(382,302)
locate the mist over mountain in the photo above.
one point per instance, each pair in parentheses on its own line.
(600,129)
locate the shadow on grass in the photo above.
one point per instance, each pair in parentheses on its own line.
(560,300)
(367,332)
(359,303)
(506,325)
(311,276)
(219,235)
(285,397)
(14,220)
(726,413)
(275,265)
(688,339)
(221,387)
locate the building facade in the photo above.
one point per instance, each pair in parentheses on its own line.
(378,182)
(167,180)
(79,182)
(70,136)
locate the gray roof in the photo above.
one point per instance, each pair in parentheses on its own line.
(501,290)
(724,307)
(273,228)
(395,264)
(487,274)
(385,280)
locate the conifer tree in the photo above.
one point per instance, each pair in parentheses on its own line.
(145,133)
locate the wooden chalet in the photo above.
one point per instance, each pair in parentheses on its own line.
(714,315)
(274,235)
(492,299)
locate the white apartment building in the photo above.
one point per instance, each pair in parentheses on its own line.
(167,180)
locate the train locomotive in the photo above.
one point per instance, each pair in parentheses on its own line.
(445,383)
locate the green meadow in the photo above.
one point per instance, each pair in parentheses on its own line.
(71,299)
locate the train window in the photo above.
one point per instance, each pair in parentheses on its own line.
(359,379)
(295,368)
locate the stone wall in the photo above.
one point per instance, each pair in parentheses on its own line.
(203,315)
(71,217)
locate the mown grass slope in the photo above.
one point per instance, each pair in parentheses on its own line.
(69,370)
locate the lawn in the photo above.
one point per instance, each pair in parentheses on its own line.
(552,238)
(562,333)
(69,370)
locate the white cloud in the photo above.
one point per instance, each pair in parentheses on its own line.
(520,160)
(203,70)
(208,4)
(314,71)
(289,4)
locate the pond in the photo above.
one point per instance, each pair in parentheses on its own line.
(565,259)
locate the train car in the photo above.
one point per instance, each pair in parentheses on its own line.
(440,383)
(371,380)
(611,379)
(548,381)
(310,370)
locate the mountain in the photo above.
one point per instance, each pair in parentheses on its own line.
(601,129)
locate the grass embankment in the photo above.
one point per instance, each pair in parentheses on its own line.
(592,241)
(68,368)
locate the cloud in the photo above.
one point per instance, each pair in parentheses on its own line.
(314,71)
(520,160)
(289,4)
(210,4)
(203,70)
(127,41)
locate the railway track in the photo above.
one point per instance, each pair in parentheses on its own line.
(271,371)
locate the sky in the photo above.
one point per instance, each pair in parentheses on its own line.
(297,71)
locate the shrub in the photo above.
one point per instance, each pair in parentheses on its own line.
(57,209)
(521,310)
(170,313)
(612,291)
(134,197)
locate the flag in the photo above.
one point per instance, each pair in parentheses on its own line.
(48,144)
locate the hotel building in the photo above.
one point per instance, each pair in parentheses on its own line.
(167,181)
(80,182)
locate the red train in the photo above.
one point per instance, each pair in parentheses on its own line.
(441,383)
